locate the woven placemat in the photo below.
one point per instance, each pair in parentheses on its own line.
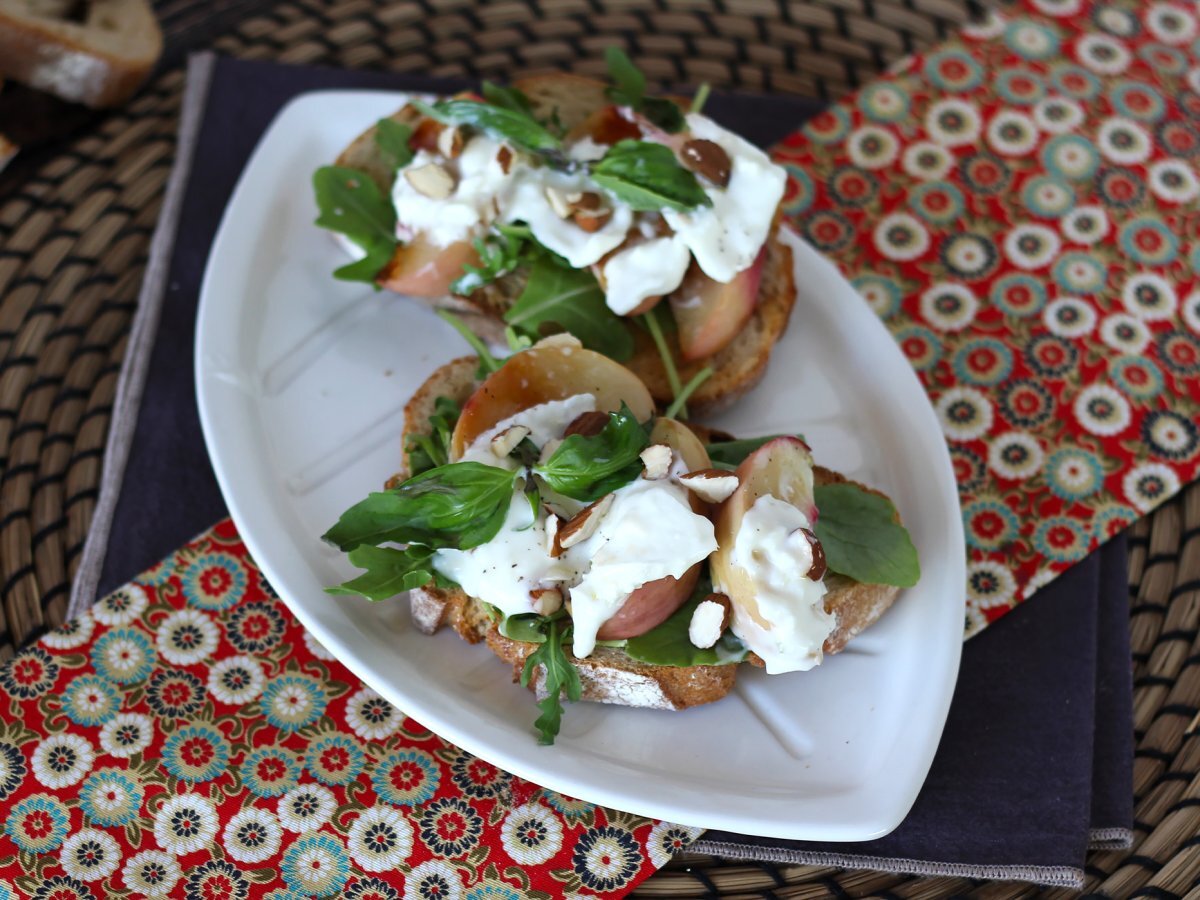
(74,237)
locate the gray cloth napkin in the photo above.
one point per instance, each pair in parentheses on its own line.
(1035,764)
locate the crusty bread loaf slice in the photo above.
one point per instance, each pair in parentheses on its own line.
(608,675)
(97,57)
(738,367)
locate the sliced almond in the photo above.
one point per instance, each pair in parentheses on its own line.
(450,142)
(710,618)
(546,600)
(558,202)
(819,566)
(431,180)
(553,523)
(657,461)
(584,523)
(506,441)
(504,157)
(713,485)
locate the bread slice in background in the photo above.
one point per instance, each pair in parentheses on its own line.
(609,675)
(96,53)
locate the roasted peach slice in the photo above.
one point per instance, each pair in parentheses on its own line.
(553,370)
(708,313)
(422,269)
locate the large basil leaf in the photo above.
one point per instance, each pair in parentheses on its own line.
(861,537)
(668,644)
(572,300)
(629,89)
(350,203)
(515,126)
(587,468)
(389,572)
(458,506)
(391,137)
(648,177)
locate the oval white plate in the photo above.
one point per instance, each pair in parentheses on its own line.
(301,383)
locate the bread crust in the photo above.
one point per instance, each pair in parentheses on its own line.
(608,675)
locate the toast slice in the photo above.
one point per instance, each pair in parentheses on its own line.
(738,367)
(96,53)
(608,675)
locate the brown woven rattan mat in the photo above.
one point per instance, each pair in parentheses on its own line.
(74,234)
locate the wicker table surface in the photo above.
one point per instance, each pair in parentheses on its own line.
(75,224)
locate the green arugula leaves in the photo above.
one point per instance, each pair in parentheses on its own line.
(572,300)
(561,677)
(391,137)
(501,251)
(458,506)
(629,89)
(350,203)
(648,177)
(517,126)
(862,537)
(587,468)
(668,644)
(428,451)
(389,572)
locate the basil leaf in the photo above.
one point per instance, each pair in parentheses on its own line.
(571,299)
(350,203)
(391,137)
(664,113)
(731,454)
(507,98)
(668,644)
(529,628)
(518,128)
(500,252)
(458,506)
(648,177)
(629,89)
(428,451)
(389,572)
(561,677)
(587,468)
(861,537)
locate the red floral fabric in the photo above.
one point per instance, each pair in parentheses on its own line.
(1020,206)
(188,738)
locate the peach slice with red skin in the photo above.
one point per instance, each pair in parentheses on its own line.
(652,603)
(420,268)
(709,314)
(782,468)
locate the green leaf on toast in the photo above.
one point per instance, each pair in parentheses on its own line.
(629,89)
(391,137)
(389,572)
(561,678)
(648,177)
(731,454)
(862,538)
(530,628)
(587,468)
(515,126)
(457,506)
(668,644)
(571,300)
(428,451)
(350,203)
(507,98)
(500,252)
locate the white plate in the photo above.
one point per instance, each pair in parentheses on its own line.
(301,383)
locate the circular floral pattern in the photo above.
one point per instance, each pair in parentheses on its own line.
(1061,539)
(1026,403)
(406,777)
(927,161)
(1118,22)
(969,256)
(12,769)
(126,734)
(937,202)
(1149,484)
(1125,333)
(883,102)
(952,123)
(901,237)
(1015,455)
(316,865)
(1018,295)
(920,346)
(236,680)
(989,584)
(1149,297)
(1085,224)
(531,834)
(969,468)
(1079,273)
(1031,246)
(61,760)
(174,694)
(852,186)
(948,306)
(214,581)
(1136,376)
(217,879)
(1057,115)
(1012,133)
(292,701)
(1020,87)
(435,879)
(827,231)
(606,858)
(1123,141)
(479,779)
(72,633)
(1191,311)
(1110,519)
(1121,188)
(122,607)
(29,674)
(370,716)
(668,840)
(1170,435)
(1147,240)
(872,147)
(1173,181)
(252,835)
(965,413)
(1070,157)
(799,194)
(90,700)
(953,70)
(989,525)
(186,636)
(380,839)
(982,361)
(111,797)
(1074,81)
(335,759)
(1179,352)
(1051,356)
(450,827)
(185,823)
(123,655)
(255,627)
(827,127)
(985,174)
(152,873)
(1074,474)
(1070,318)
(196,753)
(1103,54)
(1101,410)
(1031,40)
(1169,23)
(306,807)
(270,771)
(90,855)
(882,294)
(38,823)
(1047,197)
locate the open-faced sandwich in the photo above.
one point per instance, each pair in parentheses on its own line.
(561,203)
(610,554)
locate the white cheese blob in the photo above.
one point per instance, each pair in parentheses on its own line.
(776,559)
(507,568)
(470,208)
(649,532)
(528,203)
(650,269)
(725,238)
(545,421)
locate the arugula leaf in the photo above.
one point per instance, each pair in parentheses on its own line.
(487,362)
(428,451)
(351,203)
(507,98)
(731,454)
(668,644)
(648,177)
(517,127)
(501,251)
(389,572)
(587,468)
(556,294)
(629,89)
(561,677)
(861,537)
(391,137)
(457,506)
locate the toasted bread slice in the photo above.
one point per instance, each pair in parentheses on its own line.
(608,675)
(98,57)
(738,367)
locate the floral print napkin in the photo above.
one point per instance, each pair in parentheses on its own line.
(188,738)
(1020,206)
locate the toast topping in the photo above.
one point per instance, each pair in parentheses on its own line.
(710,618)
(431,180)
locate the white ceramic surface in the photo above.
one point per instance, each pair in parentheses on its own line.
(301,383)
